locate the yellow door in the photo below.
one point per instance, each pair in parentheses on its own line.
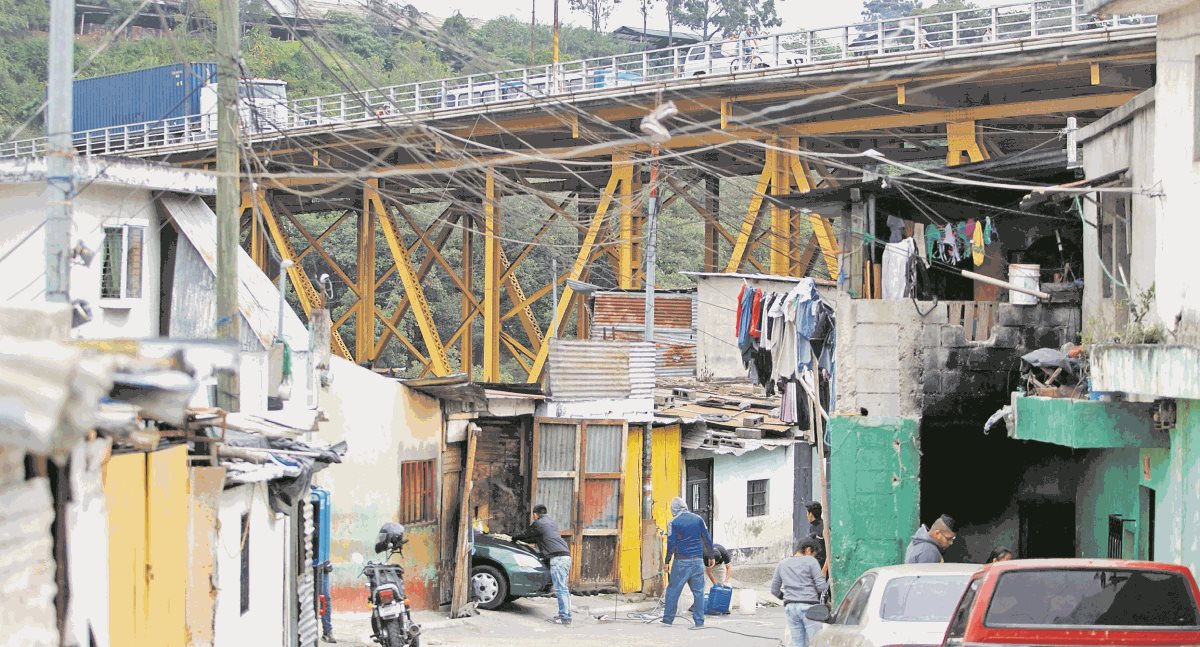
(125,494)
(167,508)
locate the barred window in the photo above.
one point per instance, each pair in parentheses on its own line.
(756,498)
(121,271)
(416,491)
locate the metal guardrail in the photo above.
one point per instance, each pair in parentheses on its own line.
(938,31)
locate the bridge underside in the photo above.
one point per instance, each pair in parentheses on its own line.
(475,205)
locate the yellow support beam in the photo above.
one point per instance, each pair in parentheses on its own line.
(781,217)
(627,259)
(742,246)
(827,239)
(364,328)
(962,140)
(305,291)
(438,363)
(467,366)
(516,294)
(581,261)
(491,279)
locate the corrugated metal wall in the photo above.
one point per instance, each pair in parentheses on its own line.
(601,370)
(603,448)
(621,316)
(27,562)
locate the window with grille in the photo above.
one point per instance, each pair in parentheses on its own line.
(121,271)
(756,498)
(416,491)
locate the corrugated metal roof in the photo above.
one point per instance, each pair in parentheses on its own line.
(28,615)
(306,584)
(600,370)
(258,298)
(622,316)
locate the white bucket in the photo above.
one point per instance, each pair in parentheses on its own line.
(1026,276)
(747,602)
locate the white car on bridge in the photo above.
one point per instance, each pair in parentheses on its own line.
(726,57)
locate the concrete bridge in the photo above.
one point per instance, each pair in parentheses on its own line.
(796,111)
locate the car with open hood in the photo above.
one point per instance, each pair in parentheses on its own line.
(502,570)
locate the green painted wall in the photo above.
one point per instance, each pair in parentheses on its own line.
(875,465)
(1086,424)
(1177,538)
(1108,485)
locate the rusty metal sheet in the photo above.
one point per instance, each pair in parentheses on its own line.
(601,505)
(671,311)
(556,447)
(601,370)
(557,494)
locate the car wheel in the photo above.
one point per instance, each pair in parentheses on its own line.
(489,586)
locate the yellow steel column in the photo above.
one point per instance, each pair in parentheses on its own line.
(781,217)
(625,244)
(468,339)
(364,329)
(492,271)
(712,203)
(585,254)
(742,246)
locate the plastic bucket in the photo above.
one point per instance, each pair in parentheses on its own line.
(747,601)
(1026,276)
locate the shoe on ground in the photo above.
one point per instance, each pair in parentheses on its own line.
(559,620)
(328,638)
(695,627)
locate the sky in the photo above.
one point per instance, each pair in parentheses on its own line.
(796,14)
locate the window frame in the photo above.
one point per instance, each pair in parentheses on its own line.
(127,296)
(422,509)
(751,505)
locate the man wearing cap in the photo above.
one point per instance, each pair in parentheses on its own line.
(929,546)
(688,541)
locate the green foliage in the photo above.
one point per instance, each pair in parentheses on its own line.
(728,17)
(597,11)
(889,9)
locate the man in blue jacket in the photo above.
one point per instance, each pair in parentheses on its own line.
(688,542)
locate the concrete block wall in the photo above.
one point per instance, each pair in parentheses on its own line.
(892,361)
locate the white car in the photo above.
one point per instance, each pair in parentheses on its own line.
(907,605)
(721,57)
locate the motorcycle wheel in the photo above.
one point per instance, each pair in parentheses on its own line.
(395,633)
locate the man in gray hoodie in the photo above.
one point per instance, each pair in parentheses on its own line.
(799,583)
(928,546)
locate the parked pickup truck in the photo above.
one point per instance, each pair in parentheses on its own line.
(1078,602)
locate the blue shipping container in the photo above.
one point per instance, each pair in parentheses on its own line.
(141,95)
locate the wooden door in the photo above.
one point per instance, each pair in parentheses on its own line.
(699,488)
(578,467)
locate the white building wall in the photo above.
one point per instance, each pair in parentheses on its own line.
(761,539)
(264,623)
(22,253)
(1177,169)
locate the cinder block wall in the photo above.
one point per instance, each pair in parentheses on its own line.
(892,361)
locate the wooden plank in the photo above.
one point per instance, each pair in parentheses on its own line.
(458,606)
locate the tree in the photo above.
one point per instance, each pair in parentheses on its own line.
(645,7)
(597,10)
(889,9)
(712,17)
(674,8)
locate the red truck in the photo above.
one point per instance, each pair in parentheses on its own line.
(1077,602)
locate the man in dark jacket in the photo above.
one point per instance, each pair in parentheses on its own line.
(929,546)
(688,542)
(544,533)
(816,528)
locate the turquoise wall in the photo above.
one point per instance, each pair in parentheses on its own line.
(875,465)
(1177,480)
(1108,485)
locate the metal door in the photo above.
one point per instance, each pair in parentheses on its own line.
(698,494)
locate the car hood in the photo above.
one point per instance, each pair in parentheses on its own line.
(906,633)
(495,543)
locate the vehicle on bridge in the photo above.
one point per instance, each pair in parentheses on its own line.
(538,85)
(168,104)
(727,57)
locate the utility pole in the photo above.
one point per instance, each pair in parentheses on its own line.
(60,150)
(532,29)
(651,243)
(554,42)
(228,189)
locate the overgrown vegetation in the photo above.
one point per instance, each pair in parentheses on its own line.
(1138,326)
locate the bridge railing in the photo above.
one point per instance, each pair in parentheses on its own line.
(936,31)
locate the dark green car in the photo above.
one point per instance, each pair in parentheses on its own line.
(502,571)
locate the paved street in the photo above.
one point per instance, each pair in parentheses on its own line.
(596,624)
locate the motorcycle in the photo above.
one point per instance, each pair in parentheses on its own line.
(391,618)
